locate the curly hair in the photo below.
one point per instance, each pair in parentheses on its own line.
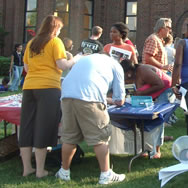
(122,28)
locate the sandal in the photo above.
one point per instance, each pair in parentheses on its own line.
(168,138)
(157,156)
(144,155)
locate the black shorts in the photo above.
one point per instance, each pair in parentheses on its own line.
(40,115)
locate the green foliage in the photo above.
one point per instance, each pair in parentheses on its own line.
(4,65)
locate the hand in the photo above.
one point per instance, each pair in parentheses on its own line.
(176,92)
(69,55)
(109,100)
(168,67)
(137,93)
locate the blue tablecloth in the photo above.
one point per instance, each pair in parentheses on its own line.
(139,114)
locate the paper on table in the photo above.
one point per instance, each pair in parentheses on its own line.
(183,104)
(128,100)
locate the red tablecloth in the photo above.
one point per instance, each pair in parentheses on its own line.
(10,108)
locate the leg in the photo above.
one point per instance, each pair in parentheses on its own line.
(156,153)
(15,78)
(107,176)
(68,151)
(20,70)
(102,154)
(40,156)
(26,131)
(186,119)
(26,153)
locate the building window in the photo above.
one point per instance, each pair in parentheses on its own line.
(131,19)
(62,10)
(30,19)
(88,18)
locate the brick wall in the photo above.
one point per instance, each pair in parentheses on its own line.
(151,10)
(106,13)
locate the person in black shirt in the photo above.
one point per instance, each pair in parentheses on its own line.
(92,45)
(16,67)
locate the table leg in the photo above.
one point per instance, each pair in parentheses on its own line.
(135,144)
(135,138)
(5,128)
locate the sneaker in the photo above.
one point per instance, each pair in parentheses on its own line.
(111,178)
(62,174)
(174,117)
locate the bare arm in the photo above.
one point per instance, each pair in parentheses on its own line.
(134,59)
(25,67)
(11,63)
(152,61)
(65,64)
(119,103)
(148,76)
(178,63)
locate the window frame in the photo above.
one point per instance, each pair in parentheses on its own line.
(131,16)
(89,15)
(67,28)
(25,19)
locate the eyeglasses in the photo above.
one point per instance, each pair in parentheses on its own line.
(167,27)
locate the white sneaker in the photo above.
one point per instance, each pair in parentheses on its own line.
(111,178)
(62,174)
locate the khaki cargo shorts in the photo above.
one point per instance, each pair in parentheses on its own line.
(83,120)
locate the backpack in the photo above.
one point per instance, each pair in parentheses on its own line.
(53,158)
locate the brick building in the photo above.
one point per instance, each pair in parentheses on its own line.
(21,17)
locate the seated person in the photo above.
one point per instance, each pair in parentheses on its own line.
(4,85)
(150,81)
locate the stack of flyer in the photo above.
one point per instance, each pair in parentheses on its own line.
(168,173)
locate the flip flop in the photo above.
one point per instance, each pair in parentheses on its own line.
(144,155)
(157,156)
(168,138)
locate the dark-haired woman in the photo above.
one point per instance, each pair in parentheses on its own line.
(154,82)
(118,33)
(44,60)
(16,67)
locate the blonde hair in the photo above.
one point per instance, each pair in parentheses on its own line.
(168,39)
(47,31)
(161,23)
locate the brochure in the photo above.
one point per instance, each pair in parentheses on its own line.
(119,54)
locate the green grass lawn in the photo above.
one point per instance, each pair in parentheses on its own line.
(85,175)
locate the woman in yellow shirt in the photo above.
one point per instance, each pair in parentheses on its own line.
(44,60)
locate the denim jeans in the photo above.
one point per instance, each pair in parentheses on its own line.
(17,72)
(166,96)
